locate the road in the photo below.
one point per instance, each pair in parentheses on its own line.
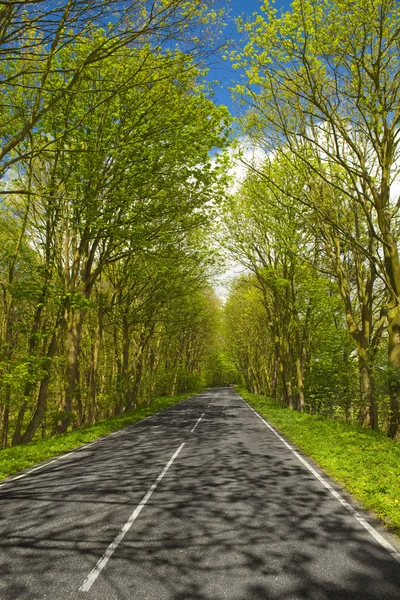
(200,502)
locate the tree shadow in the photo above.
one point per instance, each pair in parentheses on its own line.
(236,517)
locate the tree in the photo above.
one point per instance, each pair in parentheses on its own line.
(323,80)
(133,184)
(270,243)
(50,49)
(247,337)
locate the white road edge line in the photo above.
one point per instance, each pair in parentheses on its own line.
(30,471)
(95,572)
(121,432)
(75,450)
(371,530)
(198,421)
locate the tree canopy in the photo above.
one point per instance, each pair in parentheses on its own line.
(113,168)
(117,208)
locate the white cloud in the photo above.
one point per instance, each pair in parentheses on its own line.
(244,155)
(225,280)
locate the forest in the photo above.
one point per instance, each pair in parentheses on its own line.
(121,202)
(315,319)
(108,191)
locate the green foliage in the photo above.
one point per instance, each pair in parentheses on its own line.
(320,83)
(105,216)
(314,303)
(221,369)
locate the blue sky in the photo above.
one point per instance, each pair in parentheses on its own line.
(222,70)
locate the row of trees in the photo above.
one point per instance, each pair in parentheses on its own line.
(320,237)
(107,189)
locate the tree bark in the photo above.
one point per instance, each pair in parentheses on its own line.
(118,379)
(41,403)
(286,384)
(369,411)
(274,385)
(394,371)
(75,322)
(20,419)
(134,394)
(6,417)
(95,365)
(300,383)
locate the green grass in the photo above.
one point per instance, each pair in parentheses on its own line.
(17,458)
(365,462)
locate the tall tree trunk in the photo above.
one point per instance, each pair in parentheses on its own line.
(117,365)
(154,364)
(95,365)
(20,418)
(392,266)
(369,411)
(134,394)
(299,362)
(41,403)
(394,371)
(6,356)
(246,378)
(8,306)
(274,385)
(6,416)
(300,383)
(74,330)
(286,384)
(362,332)
(174,382)
(289,391)
(31,351)
(125,367)
(284,367)
(78,394)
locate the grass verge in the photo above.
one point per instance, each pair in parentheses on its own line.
(17,458)
(365,462)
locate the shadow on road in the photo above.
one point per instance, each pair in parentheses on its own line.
(237,517)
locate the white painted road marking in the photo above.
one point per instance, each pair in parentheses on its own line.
(371,530)
(94,573)
(74,451)
(215,397)
(125,430)
(62,456)
(198,421)
(29,472)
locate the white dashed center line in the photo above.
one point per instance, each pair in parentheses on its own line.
(94,573)
(198,421)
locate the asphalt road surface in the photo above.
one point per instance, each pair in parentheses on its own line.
(200,502)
